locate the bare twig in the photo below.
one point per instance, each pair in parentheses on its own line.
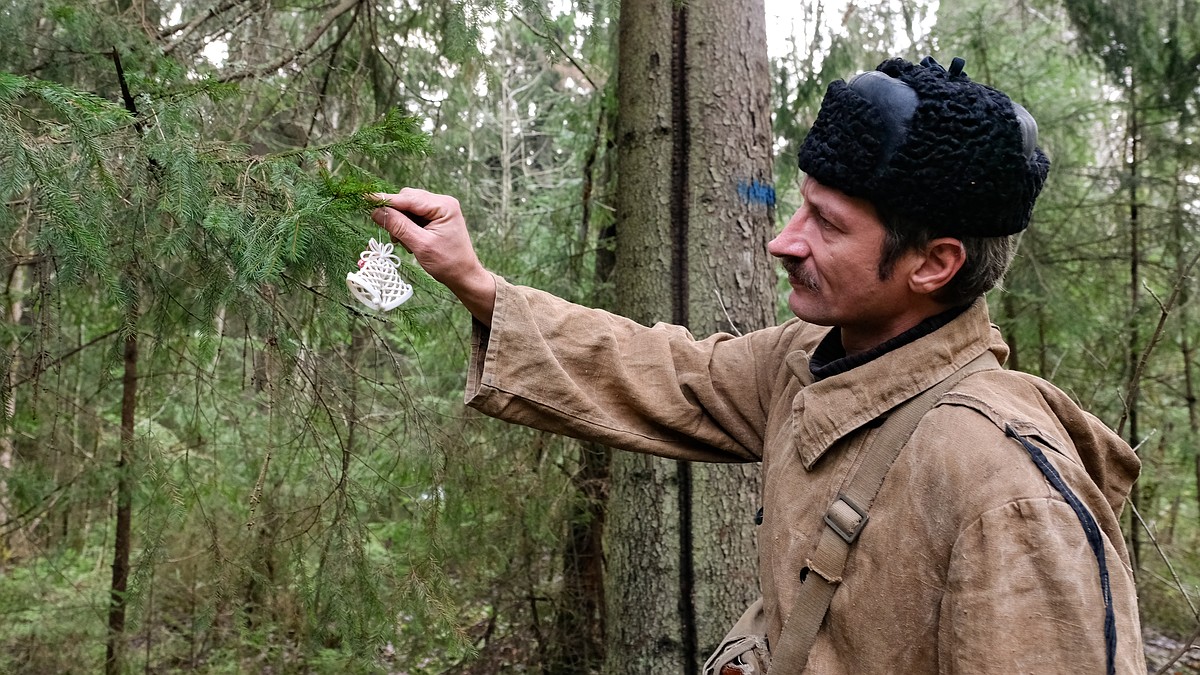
(256,494)
(39,509)
(186,29)
(560,49)
(333,54)
(354,309)
(732,326)
(1161,554)
(315,34)
(1164,313)
(64,357)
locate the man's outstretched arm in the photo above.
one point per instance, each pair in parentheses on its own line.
(442,247)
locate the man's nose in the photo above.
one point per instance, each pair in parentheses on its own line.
(791,240)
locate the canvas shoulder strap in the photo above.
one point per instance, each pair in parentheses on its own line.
(846,518)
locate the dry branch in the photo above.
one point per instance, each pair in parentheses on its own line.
(1164,312)
(315,34)
(184,30)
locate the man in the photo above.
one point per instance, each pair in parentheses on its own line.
(993,542)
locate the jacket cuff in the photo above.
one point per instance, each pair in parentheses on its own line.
(483,358)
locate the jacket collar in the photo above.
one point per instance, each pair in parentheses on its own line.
(829,358)
(826,411)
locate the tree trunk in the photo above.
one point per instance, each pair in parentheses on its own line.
(1043,342)
(644,631)
(577,643)
(1197,467)
(694,213)
(731,277)
(1010,334)
(1135,281)
(1187,349)
(1187,352)
(12,545)
(114,657)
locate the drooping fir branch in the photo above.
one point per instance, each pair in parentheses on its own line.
(395,134)
(216,215)
(56,143)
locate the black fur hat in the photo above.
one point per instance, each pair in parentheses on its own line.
(929,145)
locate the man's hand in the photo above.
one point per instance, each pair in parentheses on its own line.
(442,247)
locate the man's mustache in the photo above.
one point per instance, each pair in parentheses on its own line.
(799,274)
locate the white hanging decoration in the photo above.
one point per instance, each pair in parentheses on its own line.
(377,284)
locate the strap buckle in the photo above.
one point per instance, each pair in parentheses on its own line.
(846,518)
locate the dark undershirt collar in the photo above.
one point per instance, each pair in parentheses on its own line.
(829,358)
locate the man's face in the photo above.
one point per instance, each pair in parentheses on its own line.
(831,249)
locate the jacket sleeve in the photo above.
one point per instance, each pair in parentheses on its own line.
(1024,596)
(556,366)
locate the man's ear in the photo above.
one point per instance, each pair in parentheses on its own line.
(943,258)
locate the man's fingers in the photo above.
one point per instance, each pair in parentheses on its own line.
(419,221)
(417,204)
(397,223)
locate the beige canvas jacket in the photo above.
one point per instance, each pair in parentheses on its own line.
(972,562)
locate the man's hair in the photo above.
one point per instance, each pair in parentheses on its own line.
(987,258)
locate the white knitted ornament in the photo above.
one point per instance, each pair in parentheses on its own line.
(377,284)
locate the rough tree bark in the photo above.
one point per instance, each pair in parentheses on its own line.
(644,625)
(731,277)
(694,213)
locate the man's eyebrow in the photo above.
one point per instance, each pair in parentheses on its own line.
(823,207)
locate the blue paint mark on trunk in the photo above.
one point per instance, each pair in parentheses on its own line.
(755,192)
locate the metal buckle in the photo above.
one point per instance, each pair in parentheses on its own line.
(852,534)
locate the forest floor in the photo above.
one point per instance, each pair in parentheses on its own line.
(1160,649)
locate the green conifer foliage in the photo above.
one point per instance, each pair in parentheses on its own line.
(307,492)
(134,219)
